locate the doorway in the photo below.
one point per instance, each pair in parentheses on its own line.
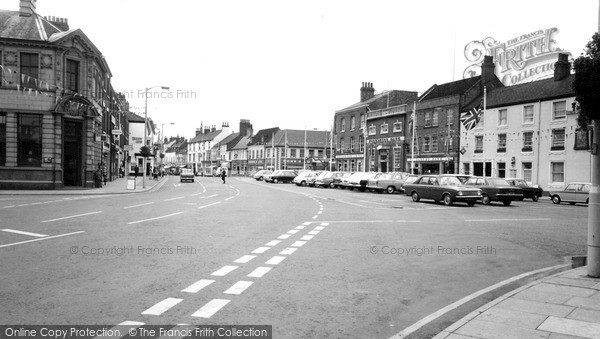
(72,154)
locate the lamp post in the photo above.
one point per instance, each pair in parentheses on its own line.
(146,127)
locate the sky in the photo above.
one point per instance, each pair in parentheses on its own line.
(292,64)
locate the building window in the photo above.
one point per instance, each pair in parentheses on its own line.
(501,143)
(558,139)
(479,144)
(351,144)
(527,142)
(449,117)
(72,78)
(384,128)
(436,117)
(311,153)
(2,138)
(559,110)
(398,126)
(502,170)
(372,129)
(29,149)
(467,167)
(397,159)
(293,153)
(427,119)
(30,67)
(527,171)
(426,145)
(352,123)
(528,114)
(343,125)
(512,172)
(502,117)
(434,143)
(342,148)
(361,144)
(558,171)
(301,153)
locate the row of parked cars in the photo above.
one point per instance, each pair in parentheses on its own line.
(445,188)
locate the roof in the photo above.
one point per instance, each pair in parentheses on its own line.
(451,88)
(546,89)
(295,138)
(242,143)
(229,141)
(364,103)
(263,136)
(34,27)
(132,117)
(206,136)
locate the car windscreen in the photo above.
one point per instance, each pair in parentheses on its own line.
(498,182)
(449,181)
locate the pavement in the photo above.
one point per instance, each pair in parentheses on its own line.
(117,186)
(565,305)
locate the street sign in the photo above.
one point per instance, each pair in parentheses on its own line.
(116,132)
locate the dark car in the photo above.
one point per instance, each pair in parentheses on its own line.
(186,175)
(575,192)
(529,192)
(446,188)
(281,176)
(411,178)
(495,189)
(339,181)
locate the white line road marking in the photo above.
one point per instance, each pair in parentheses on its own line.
(223,271)
(22,205)
(229,198)
(273,243)
(36,203)
(52,237)
(161,217)
(239,287)
(283,236)
(174,199)
(197,286)
(25,233)
(299,227)
(532,219)
(367,221)
(319,228)
(210,308)
(319,212)
(131,323)
(307,237)
(293,231)
(313,232)
(288,251)
(315,217)
(244,259)
(9,206)
(72,216)
(307,223)
(259,272)
(261,250)
(218,202)
(298,243)
(275,260)
(324,224)
(162,306)
(148,203)
(210,196)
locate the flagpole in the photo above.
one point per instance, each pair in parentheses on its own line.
(483,117)
(330,147)
(305,155)
(285,151)
(273,150)
(412,151)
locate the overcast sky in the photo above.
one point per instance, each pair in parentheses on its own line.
(293,64)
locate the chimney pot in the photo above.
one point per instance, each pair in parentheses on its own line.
(366,91)
(562,68)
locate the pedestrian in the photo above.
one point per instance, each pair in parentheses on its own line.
(155,173)
(223,174)
(136,169)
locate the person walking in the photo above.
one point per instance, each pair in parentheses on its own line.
(136,169)
(223,174)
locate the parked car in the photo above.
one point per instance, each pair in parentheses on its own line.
(387,182)
(411,178)
(365,180)
(446,188)
(186,175)
(326,179)
(281,176)
(260,175)
(495,189)
(529,192)
(339,181)
(354,180)
(306,178)
(575,192)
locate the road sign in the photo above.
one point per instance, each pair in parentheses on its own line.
(116,132)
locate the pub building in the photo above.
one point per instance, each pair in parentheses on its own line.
(57,106)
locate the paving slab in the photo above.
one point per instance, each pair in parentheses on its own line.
(513,318)
(584,302)
(491,330)
(572,282)
(571,327)
(536,307)
(563,289)
(537,295)
(583,314)
(563,336)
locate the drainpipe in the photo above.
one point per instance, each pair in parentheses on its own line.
(537,170)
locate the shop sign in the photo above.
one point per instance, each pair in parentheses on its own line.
(350,156)
(430,159)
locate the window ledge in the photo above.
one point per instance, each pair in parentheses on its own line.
(557,148)
(478,151)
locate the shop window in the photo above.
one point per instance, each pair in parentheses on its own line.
(479,144)
(29,69)
(527,171)
(502,117)
(527,142)
(501,143)
(559,110)
(29,149)
(72,78)
(558,139)
(558,171)
(528,114)
(502,169)
(2,138)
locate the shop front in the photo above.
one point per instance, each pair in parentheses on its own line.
(432,165)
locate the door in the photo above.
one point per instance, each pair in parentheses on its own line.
(72,153)
(570,193)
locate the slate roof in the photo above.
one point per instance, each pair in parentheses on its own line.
(132,117)
(229,141)
(242,143)
(295,138)
(257,139)
(546,89)
(451,88)
(206,137)
(34,27)
(364,103)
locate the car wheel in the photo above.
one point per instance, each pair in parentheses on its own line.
(587,201)
(331,185)
(448,200)
(343,187)
(391,190)
(415,197)
(485,200)
(260,179)
(556,199)
(275,181)
(506,202)
(521,199)
(303,183)
(535,198)
(571,203)
(351,188)
(471,203)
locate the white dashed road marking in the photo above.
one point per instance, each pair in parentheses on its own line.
(210,308)
(298,243)
(214,203)
(37,235)
(288,251)
(275,260)
(306,237)
(244,259)
(313,232)
(148,203)
(72,216)
(284,236)
(259,272)
(239,287)
(224,271)
(486,220)
(293,231)
(151,219)
(306,223)
(197,286)
(319,228)
(39,239)
(261,250)
(273,243)
(300,227)
(162,306)
(174,199)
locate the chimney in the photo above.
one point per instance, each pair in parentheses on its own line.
(213,128)
(487,69)
(27,7)
(60,23)
(562,68)
(245,127)
(366,91)
(198,131)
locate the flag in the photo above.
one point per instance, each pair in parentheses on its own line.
(470,119)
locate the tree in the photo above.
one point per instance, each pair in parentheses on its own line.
(586,86)
(145,151)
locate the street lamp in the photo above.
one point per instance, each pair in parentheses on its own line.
(146,127)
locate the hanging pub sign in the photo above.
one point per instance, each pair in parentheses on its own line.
(526,58)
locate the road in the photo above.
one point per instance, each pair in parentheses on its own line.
(313,263)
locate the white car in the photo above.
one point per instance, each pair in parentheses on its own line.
(306,178)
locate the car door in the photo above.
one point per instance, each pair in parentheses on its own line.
(569,193)
(435,189)
(582,193)
(425,188)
